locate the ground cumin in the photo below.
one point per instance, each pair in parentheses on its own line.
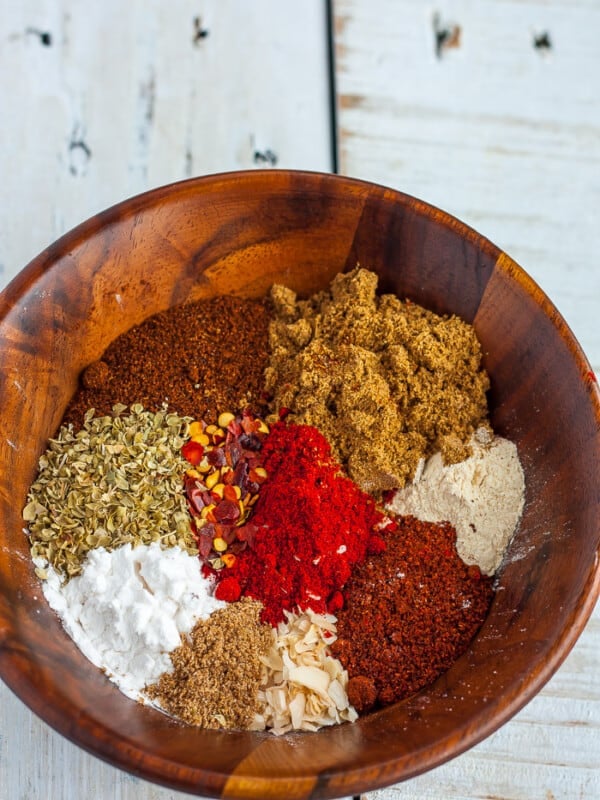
(201,358)
(216,670)
(387,382)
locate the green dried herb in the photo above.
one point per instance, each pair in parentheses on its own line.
(117,480)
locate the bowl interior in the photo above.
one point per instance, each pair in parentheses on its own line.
(240,233)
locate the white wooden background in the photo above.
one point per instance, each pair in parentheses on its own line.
(450,101)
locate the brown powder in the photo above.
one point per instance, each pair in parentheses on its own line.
(387,382)
(217,669)
(200,358)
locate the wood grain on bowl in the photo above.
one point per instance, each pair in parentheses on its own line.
(240,233)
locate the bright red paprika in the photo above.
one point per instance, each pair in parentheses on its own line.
(310,526)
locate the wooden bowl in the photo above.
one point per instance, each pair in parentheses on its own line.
(238,233)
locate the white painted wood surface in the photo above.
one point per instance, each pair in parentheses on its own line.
(504,135)
(131,95)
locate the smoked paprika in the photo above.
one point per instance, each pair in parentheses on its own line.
(409,613)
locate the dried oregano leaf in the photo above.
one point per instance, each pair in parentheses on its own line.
(117,480)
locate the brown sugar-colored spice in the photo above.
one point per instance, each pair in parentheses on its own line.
(217,669)
(409,613)
(387,382)
(199,358)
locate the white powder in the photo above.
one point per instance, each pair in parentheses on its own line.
(482,498)
(128,607)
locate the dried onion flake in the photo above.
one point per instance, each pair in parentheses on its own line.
(302,686)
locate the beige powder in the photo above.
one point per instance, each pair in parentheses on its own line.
(482,497)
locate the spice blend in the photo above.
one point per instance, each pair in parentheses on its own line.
(282,517)
(310,526)
(115,481)
(482,497)
(303,687)
(217,670)
(127,609)
(222,485)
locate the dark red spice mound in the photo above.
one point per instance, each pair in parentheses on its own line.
(201,358)
(309,528)
(362,693)
(410,612)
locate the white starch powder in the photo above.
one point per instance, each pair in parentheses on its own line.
(482,498)
(128,607)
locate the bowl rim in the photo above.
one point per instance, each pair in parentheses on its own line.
(160,769)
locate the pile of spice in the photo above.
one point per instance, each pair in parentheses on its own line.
(303,687)
(410,612)
(128,608)
(217,670)
(208,561)
(482,497)
(115,481)
(386,382)
(310,527)
(197,358)
(223,482)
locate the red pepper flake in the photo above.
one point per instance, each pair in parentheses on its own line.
(227,512)
(283,412)
(229,493)
(192,452)
(592,377)
(222,491)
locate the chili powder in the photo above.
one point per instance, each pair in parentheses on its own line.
(410,612)
(310,527)
(198,357)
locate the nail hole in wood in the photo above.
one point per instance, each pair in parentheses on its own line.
(542,41)
(265,157)
(44,36)
(79,154)
(200,32)
(447,36)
